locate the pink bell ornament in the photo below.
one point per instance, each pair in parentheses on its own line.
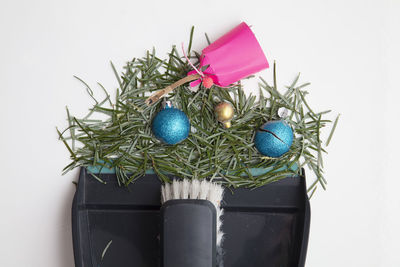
(234,56)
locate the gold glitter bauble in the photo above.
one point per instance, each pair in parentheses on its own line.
(224,112)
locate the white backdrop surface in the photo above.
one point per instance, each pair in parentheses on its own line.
(348,49)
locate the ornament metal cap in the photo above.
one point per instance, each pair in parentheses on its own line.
(166,103)
(283,112)
(227,124)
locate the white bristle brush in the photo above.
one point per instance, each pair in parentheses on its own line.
(195,189)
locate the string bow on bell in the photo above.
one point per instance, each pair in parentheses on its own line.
(194,76)
(206,76)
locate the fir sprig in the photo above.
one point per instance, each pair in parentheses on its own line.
(124,141)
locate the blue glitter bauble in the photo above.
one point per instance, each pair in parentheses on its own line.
(274,138)
(171,125)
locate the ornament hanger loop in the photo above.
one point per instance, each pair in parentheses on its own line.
(166,103)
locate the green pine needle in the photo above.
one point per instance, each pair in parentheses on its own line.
(105,249)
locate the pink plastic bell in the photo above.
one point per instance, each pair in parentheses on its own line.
(234,56)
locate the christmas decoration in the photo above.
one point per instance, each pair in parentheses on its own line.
(171,125)
(124,141)
(232,57)
(274,138)
(224,112)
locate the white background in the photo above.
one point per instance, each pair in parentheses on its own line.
(347,49)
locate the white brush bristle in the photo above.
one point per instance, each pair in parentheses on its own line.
(204,189)
(194,189)
(176,189)
(185,189)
